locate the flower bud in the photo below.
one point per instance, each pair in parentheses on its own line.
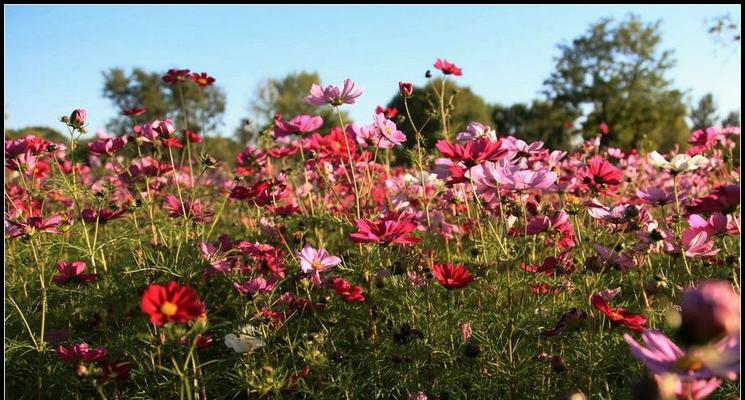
(78,118)
(405,88)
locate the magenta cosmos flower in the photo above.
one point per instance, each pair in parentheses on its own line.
(72,271)
(488,176)
(107,146)
(385,231)
(333,95)
(314,262)
(448,68)
(81,352)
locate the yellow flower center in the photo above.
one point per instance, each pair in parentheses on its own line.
(168,308)
(203,82)
(317,264)
(689,363)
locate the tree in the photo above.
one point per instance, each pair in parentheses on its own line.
(286,97)
(614,73)
(424,107)
(43,132)
(704,114)
(732,119)
(147,89)
(541,120)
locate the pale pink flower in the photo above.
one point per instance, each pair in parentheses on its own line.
(314,262)
(333,95)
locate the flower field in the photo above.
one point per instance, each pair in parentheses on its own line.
(329,263)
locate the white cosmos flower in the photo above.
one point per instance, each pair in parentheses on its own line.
(245,342)
(679,162)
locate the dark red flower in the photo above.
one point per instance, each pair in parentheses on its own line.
(405,88)
(103,216)
(192,137)
(202,80)
(724,199)
(452,276)
(176,76)
(620,315)
(448,68)
(172,142)
(347,291)
(133,112)
(172,303)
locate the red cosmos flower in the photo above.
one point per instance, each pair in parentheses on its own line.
(603,128)
(72,271)
(202,80)
(81,352)
(192,137)
(405,88)
(448,68)
(347,291)
(172,303)
(389,112)
(474,152)
(176,76)
(133,112)
(620,315)
(172,142)
(102,216)
(385,231)
(600,175)
(452,276)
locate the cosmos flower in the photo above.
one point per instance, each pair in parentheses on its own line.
(447,67)
(333,95)
(172,303)
(385,231)
(679,163)
(81,352)
(348,291)
(620,315)
(452,276)
(202,80)
(314,262)
(72,272)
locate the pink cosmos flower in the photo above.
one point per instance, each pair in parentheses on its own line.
(447,67)
(32,225)
(696,243)
(724,199)
(72,271)
(621,261)
(655,196)
(661,356)
(405,88)
(710,311)
(716,224)
(472,152)
(216,256)
(671,386)
(81,352)
(103,215)
(474,131)
(107,146)
(489,176)
(600,175)
(314,262)
(299,124)
(385,231)
(365,135)
(257,285)
(390,136)
(333,95)
(465,331)
(193,211)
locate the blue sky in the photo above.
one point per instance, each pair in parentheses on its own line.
(54,55)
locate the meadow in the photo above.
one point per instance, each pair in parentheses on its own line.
(331,264)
